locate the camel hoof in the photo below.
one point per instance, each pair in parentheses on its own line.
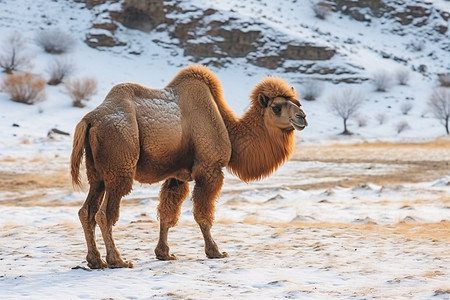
(166,257)
(122,264)
(95,262)
(97,265)
(217,255)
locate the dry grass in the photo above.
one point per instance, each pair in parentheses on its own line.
(437,232)
(18,182)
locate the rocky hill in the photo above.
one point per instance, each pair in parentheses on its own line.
(217,34)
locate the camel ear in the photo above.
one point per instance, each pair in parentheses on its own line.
(263,100)
(292,89)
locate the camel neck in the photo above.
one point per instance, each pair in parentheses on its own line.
(257,151)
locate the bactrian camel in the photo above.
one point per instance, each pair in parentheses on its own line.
(183,132)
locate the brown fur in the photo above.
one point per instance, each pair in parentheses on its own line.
(183,132)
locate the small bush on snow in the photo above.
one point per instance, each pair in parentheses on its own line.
(59,68)
(362,121)
(81,90)
(444,80)
(406,107)
(403,76)
(382,81)
(381,118)
(402,126)
(417,45)
(24,88)
(55,41)
(311,89)
(322,10)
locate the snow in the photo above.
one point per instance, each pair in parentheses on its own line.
(325,226)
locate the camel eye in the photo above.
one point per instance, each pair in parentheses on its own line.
(276,109)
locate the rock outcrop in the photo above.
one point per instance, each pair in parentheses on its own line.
(207,34)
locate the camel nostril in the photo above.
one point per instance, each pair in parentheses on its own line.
(300,116)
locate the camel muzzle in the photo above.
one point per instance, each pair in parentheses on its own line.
(299,123)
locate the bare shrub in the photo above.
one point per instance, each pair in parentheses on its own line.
(444,80)
(55,41)
(362,121)
(403,75)
(406,107)
(311,89)
(322,10)
(417,45)
(81,90)
(382,81)
(24,88)
(381,118)
(59,68)
(346,105)
(402,126)
(12,55)
(440,106)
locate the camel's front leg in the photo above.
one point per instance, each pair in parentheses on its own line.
(206,190)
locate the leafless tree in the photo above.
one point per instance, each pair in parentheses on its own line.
(440,106)
(12,55)
(55,41)
(346,105)
(81,90)
(311,89)
(59,68)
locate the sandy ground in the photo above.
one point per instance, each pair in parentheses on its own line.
(365,221)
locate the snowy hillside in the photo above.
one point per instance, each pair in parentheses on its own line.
(152,58)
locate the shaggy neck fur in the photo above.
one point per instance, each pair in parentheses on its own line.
(257,151)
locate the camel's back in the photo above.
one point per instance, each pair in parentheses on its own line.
(150,116)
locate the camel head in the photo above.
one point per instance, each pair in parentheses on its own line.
(283,113)
(280,104)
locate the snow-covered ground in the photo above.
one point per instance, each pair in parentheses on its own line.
(346,221)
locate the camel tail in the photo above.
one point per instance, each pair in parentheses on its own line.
(78,148)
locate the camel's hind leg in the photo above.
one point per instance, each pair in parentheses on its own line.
(108,215)
(172,195)
(87,218)
(208,183)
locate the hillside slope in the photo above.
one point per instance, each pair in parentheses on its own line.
(242,42)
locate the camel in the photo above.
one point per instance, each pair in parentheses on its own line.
(183,132)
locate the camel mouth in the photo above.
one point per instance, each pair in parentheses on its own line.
(299,126)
